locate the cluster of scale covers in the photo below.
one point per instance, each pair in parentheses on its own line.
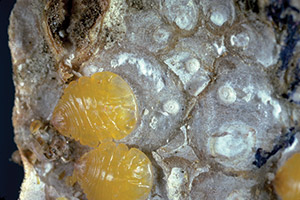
(111,172)
(96,108)
(204,76)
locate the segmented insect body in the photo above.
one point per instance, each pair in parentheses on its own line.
(287,181)
(96,108)
(111,172)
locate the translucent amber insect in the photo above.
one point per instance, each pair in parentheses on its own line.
(62,198)
(96,108)
(111,172)
(35,126)
(287,181)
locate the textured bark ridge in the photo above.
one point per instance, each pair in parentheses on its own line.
(216,83)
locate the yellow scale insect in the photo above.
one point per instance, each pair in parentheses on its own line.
(287,180)
(111,172)
(96,108)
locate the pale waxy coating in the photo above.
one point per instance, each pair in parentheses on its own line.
(111,172)
(96,108)
(287,181)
